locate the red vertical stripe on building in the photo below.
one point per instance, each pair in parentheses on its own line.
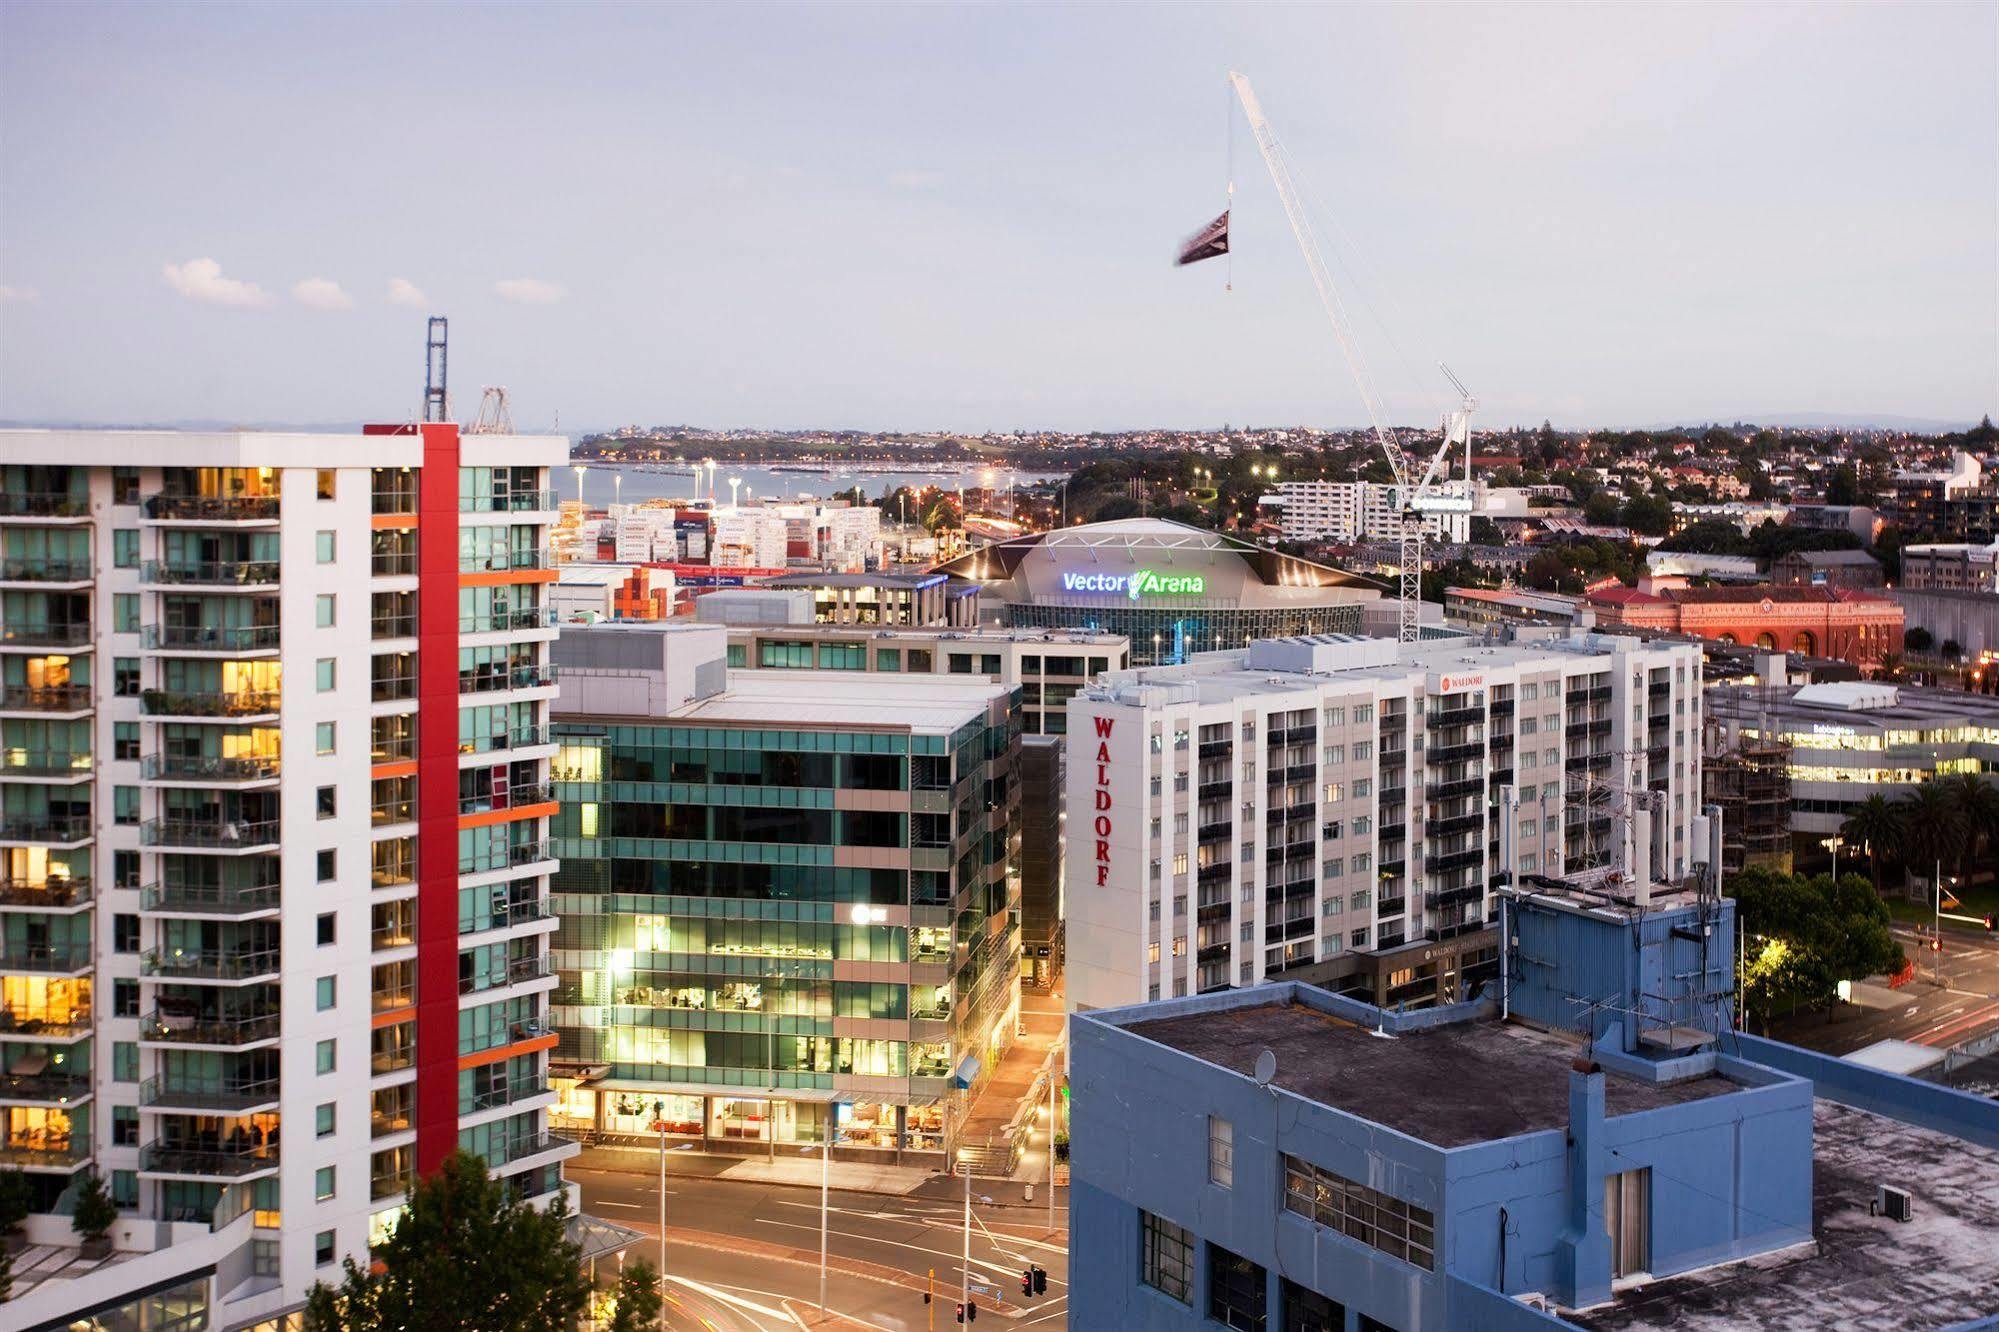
(437,800)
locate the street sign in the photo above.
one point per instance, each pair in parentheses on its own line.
(981,1288)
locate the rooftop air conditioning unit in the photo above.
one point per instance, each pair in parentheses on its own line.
(1891,1202)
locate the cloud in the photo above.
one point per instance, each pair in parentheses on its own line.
(528,291)
(202,280)
(17,295)
(321,294)
(402,291)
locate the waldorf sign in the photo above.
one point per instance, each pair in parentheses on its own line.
(1137,585)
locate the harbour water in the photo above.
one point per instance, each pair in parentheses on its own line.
(637,482)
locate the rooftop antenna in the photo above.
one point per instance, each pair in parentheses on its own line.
(436,401)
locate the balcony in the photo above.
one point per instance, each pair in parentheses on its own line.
(1456,860)
(44,1149)
(44,959)
(209,899)
(45,698)
(390,1183)
(212,834)
(45,829)
(507,621)
(46,633)
(1443,754)
(1437,792)
(71,765)
(224,574)
(226,1032)
(236,639)
(208,770)
(1391,906)
(506,561)
(219,1095)
(1450,897)
(44,569)
(44,504)
(520,501)
(525,853)
(494,682)
(392,564)
(47,1088)
(46,894)
(208,1157)
(1458,824)
(509,1150)
(164,508)
(224,965)
(1450,717)
(525,737)
(519,971)
(45,1022)
(234,705)
(513,797)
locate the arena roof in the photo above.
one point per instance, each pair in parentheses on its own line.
(1149,538)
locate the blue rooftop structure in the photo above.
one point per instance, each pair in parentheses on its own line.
(1591,1145)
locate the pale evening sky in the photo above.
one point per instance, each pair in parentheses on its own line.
(963,217)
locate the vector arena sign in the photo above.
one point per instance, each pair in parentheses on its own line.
(1142,583)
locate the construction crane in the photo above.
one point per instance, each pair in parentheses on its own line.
(1415,493)
(495,418)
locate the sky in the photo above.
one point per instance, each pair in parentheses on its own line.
(963,217)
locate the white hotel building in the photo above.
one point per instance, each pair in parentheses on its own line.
(1349,511)
(1349,804)
(274,801)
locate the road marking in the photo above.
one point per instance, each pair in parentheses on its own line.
(716,1292)
(995,1268)
(607,1202)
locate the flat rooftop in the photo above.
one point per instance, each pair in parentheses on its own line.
(1450,1086)
(1935,1270)
(932,704)
(1916,708)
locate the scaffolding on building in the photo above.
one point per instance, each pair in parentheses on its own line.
(1751,781)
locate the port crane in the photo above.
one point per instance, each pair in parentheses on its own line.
(1419,487)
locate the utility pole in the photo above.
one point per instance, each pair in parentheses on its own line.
(965,1272)
(659,1121)
(1051,1142)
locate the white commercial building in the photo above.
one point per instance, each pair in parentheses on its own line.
(1308,799)
(1349,511)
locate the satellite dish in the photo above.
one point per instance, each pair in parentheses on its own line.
(1266,1068)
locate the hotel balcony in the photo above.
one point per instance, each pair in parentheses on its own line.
(211,705)
(223,575)
(220,966)
(43,571)
(45,507)
(208,770)
(212,834)
(210,509)
(18,958)
(223,1031)
(236,640)
(221,1095)
(55,896)
(46,700)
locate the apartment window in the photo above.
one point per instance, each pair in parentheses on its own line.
(325,927)
(323,1120)
(327,865)
(1362,862)
(125,1188)
(325,674)
(1333,905)
(125,548)
(124,934)
(125,741)
(1530,692)
(1363,787)
(124,485)
(1363,750)
(1165,1257)
(1334,829)
(322,1183)
(323,610)
(1334,792)
(1180,946)
(124,1126)
(327,801)
(322,1248)
(1399,1229)
(1221,1152)
(124,804)
(323,1057)
(1179,862)
(125,677)
(125,612)
(124,998)
(125,869)
(1359,938)
(1335,867)
(1529,725)
(323,547)
(124,1061)
(323,482)
(1364,712)
(325,992)
(1235,1291)
(1152,951)
(1363,824)
(322,738)
(1336,754)
(1336,716)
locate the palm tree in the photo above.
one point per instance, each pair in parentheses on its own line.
(1875,825)
(1979,800)
(1934,826)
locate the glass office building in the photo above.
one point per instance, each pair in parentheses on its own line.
(786,906)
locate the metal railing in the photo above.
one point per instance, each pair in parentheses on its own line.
(519,1089)
(190,1156)
(514,797)
(46,633)
(46,762)
(49,893)
(498,681)
(44,828)
(518,971)
(506,561)
(60,1087)
(519,501)
(210,573)
(209,899)
(209,637)
(44,698)
(207,768)
(209,702)
(43,504)
(39,1147)
(224,1094)
(521,737)
(44,569)
(225,834)
(393,626)
(55,959)
(507,621)
(190,1029)
(211,508)
(392,563)
(210,964)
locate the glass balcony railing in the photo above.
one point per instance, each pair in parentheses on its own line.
(52,1088)
(507,621)
(46,894)
(186,1091)
(514,797)
(518,972)
(519,1149)
(208,768)
(520,501)
(44,1148)
(211,508)
(43,569)
(392,563)
(209,637)
(394,626)
(44,829)
(227,1030)
(46,762)
(211,833)
(520,738)
(209,703)
(216,964)
(212,1157)
(55,959)
(211,573)
(504,561)
(520,1089)
(46,633)
(209,899)
(501,680)
(44,698)
(43,505)
(390,1183)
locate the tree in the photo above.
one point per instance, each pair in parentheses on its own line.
(1875,826)
(1934,826)
(1843,486)
(1951,649)
(1802,936)
(1649,515)
(15,1200)
(1984,433)
(1978,801)
(639,1300)
(95,1213)
(465,1257)
(1709,536)
(1918,639)
(1601,510)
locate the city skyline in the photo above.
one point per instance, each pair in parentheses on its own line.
(964,220)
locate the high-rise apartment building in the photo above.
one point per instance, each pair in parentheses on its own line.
(789,899)
(274,858)
(1347,804)
(1349,511)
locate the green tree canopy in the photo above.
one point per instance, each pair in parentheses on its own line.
(465,1257)
(1803,935)
(1649,515)
(639,1300)
(1709,536)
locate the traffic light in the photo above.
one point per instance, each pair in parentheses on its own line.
(972,1312)
(1040,1281)
(961,1313)
(1991,924)
(1026,1281)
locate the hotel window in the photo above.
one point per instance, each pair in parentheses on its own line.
(1362,788)
(1364,712)
(1399,1229)
(1221,1152)
(1333,905)
(1179,862)
(1337,753)
(1363,750)
(1165,1256)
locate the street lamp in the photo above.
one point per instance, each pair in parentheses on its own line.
(659,1122)
(580,470)
(965,1272)
(735,482)
(825,1156)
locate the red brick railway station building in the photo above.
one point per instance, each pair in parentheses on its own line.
(1842,623)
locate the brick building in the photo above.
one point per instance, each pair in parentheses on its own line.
(1843,623)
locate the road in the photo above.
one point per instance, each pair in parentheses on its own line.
(743,1257)
(1961,1008)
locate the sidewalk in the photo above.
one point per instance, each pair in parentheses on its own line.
(800,1171)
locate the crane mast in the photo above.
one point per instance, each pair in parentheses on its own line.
(1410,492)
